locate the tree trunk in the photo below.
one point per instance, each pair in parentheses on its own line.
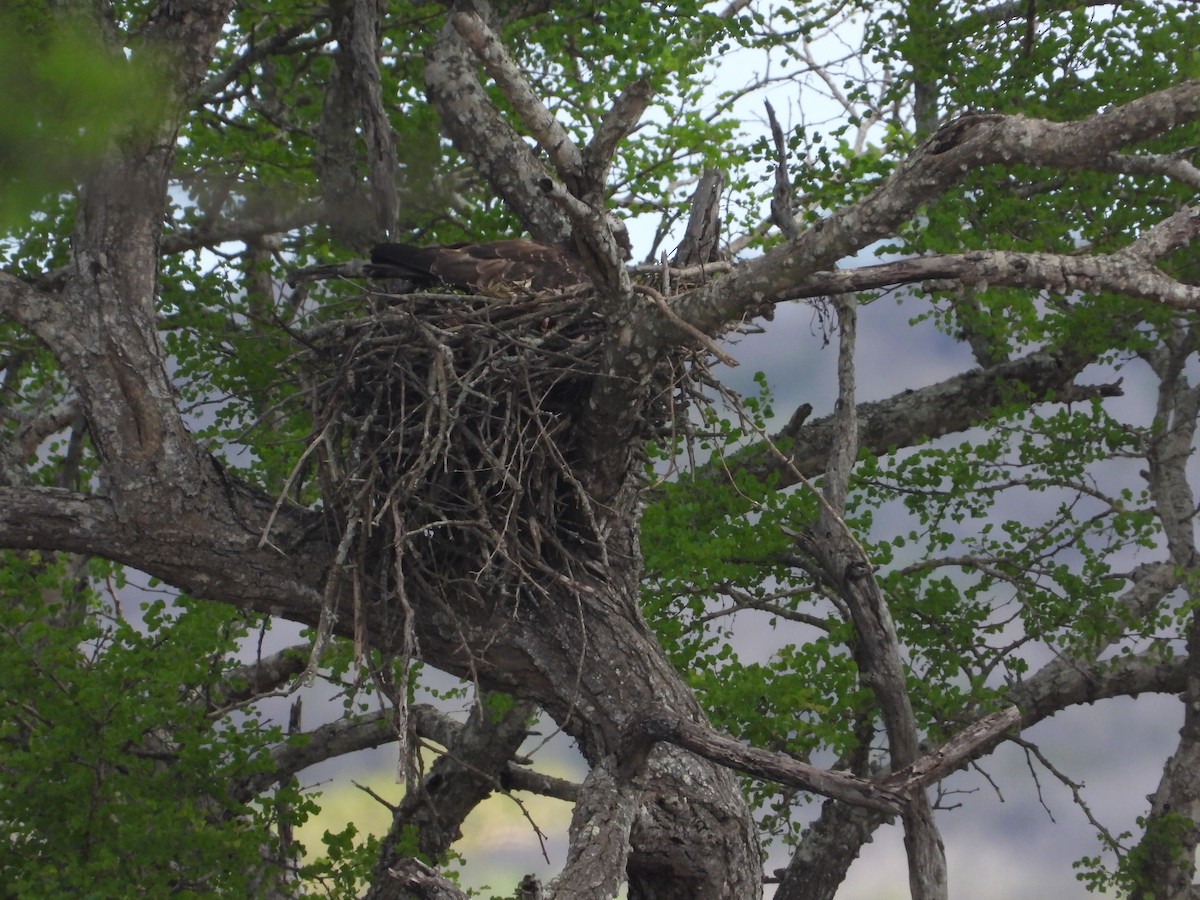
(585,654)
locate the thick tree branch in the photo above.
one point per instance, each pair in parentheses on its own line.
(481,133)
(583,199)
(964,145)
(1166,859)
(584,171)
(517,778)
(1129,271)
(976,740)
(329,741)
(546,130)
(33,426)
(1155,164)
(1167,864)
(1173,233)
(108,343)
(888,795)
(183,33)
(255,224)
(946,407)
(192,552)
(599,240)
(829,845)
(37,518)
(618,123)
(354,123)
(268,673)
(600,827)
(769,766)
(412,878)
(845,566)
(1061,685)
(39,311)
(1068,679)
(782,197)
(477,756)
(701,242)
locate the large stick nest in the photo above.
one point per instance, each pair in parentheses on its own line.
(445,427)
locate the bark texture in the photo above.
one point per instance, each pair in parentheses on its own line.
(661,809)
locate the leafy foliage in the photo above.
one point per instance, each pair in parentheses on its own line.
(120,766)
(1021,539)
(64,97)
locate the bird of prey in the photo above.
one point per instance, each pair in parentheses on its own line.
(483,266)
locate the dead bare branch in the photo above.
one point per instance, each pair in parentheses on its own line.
(782,198)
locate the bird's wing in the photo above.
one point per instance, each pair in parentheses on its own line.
(482,265)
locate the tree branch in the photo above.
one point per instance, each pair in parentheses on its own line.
(976,740)
(494,148)
(191,552)
(546,130)
(776,767)
(966,144)
(1069,679)
(38,518)
(1129,271)
(599,833)
(701,242)
(782,197)
(255,224)
(845,566)
(265,674)
(828,846)
(39,311)
(335,739)
(619,122)
(412,878)
(478,754)
(280,42)
(354,124)
(949,406)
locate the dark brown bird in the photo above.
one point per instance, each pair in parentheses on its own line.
(486,266)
